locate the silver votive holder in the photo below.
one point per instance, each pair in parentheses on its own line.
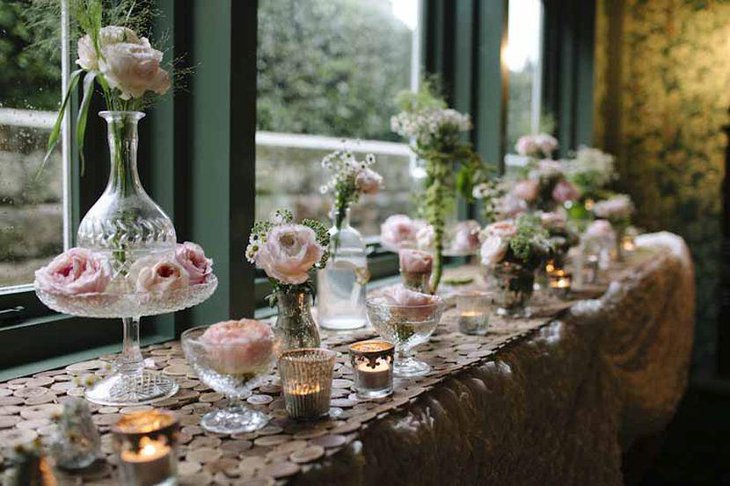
(306,381)
(372,363)
(474,310)
(146,444)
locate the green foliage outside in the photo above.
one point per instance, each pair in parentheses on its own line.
(330,67)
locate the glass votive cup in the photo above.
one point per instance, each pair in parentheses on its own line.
(146,444)
(306,381)
(372,363)
(560,282)
(474,310)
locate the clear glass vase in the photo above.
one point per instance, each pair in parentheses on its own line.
(341,284)
(126,225)
(294,328)
(512,285)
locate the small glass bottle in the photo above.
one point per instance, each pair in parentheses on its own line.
(341,284)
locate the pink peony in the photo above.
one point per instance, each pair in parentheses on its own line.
(368,181)
(158,276)
(501,229)
(399,231)
(565,191)
(239,347)
(74,272)
(289,253)
(192,258)
(493,250)
(527,190)
(415,261)
(466,236)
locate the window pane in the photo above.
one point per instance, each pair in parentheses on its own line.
(31,203)
(523,59)
(328,70)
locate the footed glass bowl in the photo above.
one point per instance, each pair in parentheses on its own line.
(406,327)
(231,370)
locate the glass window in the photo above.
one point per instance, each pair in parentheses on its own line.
(32,203)
(329,70)
(523,58)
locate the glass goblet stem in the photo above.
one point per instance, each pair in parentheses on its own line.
(131,360)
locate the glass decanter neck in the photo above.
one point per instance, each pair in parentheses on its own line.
(123,141)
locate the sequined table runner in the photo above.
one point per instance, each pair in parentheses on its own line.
(360,442)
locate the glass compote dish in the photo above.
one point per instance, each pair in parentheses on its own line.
(407,321)
(231,357)
(128,264)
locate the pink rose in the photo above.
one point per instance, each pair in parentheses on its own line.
(618,207)
(599,230)
(193,260)
(527,146)
(415,261)
(289,253)
(399,295)
(501,229)
(425,236)
(466,236)
(553,221)
(158,276)
(547,143)
(74,272)
(368,181)
(399,231)
(527,189)
(493,250)
(239,347)
(565,191)
(547,168)
(511,206)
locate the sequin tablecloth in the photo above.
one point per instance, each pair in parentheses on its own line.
(553,399)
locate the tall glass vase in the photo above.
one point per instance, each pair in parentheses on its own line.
(294,327)
(341,284)
(126,225)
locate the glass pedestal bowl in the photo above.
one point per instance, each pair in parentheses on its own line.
(406,326)
(229,370)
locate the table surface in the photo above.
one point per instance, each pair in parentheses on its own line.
(284,450)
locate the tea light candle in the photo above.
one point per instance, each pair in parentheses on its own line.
(560,281)
(146,443)
(474,309)
(306,378)
(372,362)
(628,244)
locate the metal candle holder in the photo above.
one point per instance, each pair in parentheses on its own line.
(372,362)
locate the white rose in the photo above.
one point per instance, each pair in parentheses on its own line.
(134,69)
(109,35)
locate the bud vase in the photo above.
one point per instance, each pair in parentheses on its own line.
(341,284)
(295,327)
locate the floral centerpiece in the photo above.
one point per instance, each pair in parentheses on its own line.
(546,187)
(592,170)
(128,262)
(511,252)
(540,146)
(617,210)
(287,252)
(342,303)
(451,165)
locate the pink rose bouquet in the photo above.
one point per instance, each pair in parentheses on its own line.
(239,347)
(192,258)
(286,251)
(523,241)
(536,146)
(77,271)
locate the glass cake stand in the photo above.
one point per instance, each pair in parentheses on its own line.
(131,383)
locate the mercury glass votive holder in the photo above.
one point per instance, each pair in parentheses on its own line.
(474,310)
(146,444)
(372,362)
(306,381)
